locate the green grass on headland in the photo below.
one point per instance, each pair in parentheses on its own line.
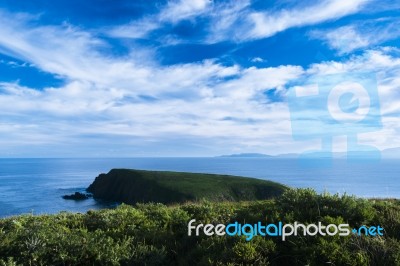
(132,186)
(156,234)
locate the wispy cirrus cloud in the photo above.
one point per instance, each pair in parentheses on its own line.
(360,35)
(266,24)
(172,12)
(236,20)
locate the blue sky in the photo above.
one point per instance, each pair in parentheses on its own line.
(183,78)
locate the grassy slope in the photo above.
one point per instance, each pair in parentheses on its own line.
(131,186)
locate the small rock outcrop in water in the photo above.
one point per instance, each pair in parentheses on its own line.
(132,186)
(77,196)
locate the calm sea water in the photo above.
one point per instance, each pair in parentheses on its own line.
(37,185)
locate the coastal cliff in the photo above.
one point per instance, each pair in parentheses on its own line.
(132,186)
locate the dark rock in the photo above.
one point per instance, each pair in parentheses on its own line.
(77,196)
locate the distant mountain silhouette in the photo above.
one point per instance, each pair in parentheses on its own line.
(391,153)
(252,155)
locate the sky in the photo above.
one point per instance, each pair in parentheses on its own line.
(119,78)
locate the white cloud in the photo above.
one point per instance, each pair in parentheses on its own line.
(346,39)
(184,9)
(383,63)
(173,12)
(224,21)
(135,29)
(257,60)
(103,96)
(235,20)
(365,34)
(119,102)
(266,24)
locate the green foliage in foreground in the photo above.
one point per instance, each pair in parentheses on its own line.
(155,234)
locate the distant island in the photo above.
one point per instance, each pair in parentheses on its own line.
(391,153)
(250,155)
(133,186)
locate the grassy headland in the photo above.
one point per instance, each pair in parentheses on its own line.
(132,186)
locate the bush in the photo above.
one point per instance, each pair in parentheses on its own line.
(156,234)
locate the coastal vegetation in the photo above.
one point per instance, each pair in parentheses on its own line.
(156,234)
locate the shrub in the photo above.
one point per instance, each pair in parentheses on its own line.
(156,234)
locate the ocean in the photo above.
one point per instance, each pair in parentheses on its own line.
(37,185)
